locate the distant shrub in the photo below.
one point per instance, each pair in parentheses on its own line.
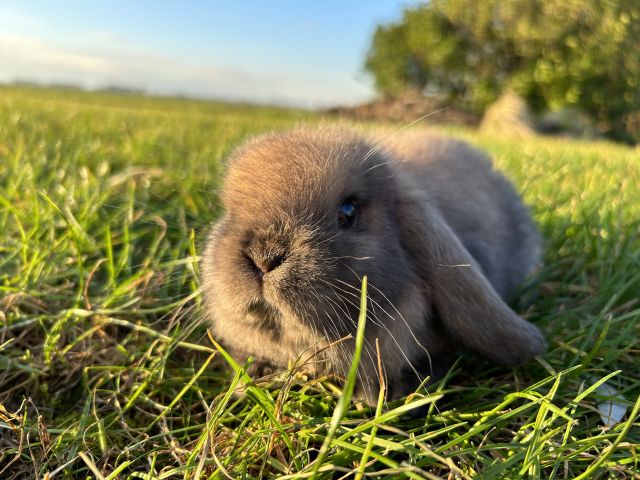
(508,116)
(583,54)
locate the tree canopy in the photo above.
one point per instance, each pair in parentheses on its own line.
(555,53)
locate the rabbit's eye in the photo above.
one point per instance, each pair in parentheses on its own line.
(346,215)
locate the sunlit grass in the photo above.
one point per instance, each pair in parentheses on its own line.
(106,372)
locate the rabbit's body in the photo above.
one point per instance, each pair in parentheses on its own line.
(477,202)
(440,235)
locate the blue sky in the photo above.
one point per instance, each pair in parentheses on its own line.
(306,53)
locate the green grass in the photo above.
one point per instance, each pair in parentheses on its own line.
(107,372)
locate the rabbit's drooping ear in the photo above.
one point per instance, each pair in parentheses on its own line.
(469,309)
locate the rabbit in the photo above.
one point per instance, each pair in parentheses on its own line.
(442,237)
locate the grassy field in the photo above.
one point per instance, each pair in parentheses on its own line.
(107,372)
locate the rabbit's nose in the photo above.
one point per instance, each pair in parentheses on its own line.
(266,263)
(264,257)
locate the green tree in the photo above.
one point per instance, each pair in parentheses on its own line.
(555,53)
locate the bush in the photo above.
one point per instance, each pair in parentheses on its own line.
(583,54)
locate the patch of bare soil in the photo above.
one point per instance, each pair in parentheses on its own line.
(406,108)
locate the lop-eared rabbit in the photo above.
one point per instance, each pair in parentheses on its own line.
(442,237)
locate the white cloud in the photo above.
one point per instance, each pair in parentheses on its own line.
(29,58)
(19,53)
(11,19)
(105,37)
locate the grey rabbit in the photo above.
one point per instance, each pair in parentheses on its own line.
(442,237)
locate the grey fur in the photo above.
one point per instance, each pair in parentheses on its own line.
(442,237)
